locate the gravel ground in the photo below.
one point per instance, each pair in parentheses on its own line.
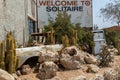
(65,75)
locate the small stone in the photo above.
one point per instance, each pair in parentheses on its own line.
(26,69)
(18,73)
(92,68)
(15,76)
(90,59)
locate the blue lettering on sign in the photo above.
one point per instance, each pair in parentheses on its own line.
(64,8)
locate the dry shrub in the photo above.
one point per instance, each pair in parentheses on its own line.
(105,57)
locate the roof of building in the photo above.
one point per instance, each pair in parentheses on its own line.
(113,28)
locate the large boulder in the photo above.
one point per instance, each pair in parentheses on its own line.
(5,75)
(70,64)
(92,68)
(48,56)
(110,75)
(71,58)
(90,59)
(47,70)
(74,52)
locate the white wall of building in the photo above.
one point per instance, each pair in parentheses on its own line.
(13,17)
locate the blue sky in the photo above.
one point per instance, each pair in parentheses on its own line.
(97,5)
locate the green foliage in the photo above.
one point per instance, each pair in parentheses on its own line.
(9,61)
(65,41)
(61,26)
(85,38)
(67,33)
(17,62)
(2,55)
(11,54)
(50,36)
(2,51)
(112,11)
(2,65)
(112,37)
(105,57)
(73,37)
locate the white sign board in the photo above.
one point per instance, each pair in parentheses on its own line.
(80,11)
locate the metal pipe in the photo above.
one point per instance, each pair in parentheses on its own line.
(24,27)
(37,17)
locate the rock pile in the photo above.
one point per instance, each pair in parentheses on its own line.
(70,58)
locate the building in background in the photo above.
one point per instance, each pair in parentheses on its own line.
(80,11)
(19,17)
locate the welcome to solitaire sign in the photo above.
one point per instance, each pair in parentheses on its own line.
(80,11)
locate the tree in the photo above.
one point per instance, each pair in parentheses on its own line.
(62,26)
(112,11)
(112,37)
(68,34)
(85,38)
(105,57)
